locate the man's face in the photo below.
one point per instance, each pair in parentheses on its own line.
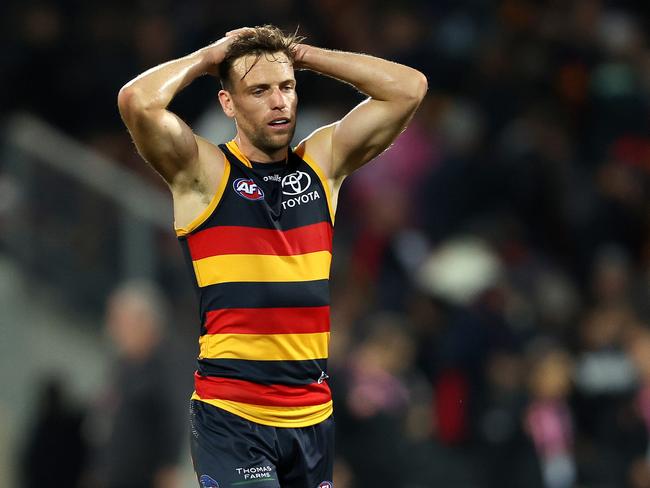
(129,323)
(264,102)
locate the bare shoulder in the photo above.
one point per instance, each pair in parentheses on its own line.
(211,158)
(194,191)
(318,147)
(205,176)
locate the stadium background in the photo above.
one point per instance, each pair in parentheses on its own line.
(491,279)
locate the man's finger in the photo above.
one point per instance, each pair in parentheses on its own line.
(238,32)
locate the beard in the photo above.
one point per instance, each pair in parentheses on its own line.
(269,142)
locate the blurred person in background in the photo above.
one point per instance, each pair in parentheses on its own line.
(500,434)
(548,419)
(139,421)
(635,445)
(605,386)
(255,219)
(377,387)
(56,449)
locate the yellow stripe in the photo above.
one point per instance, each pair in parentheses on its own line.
(234,148)
(265,347)
(262,268)
(183,231)
(321,176)
(275,416)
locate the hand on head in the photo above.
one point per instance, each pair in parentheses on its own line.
(217,50)
(299,56)
(239,32)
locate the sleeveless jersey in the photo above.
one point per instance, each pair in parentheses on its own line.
(260,256)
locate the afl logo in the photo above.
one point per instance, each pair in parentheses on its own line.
(248,189)
(325,484)
(295,183)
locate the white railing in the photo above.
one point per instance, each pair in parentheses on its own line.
(53,147)
(74,200)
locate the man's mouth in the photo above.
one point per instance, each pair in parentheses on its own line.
(280,123)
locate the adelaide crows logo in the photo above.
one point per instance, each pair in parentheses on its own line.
(248,189)
(207,482)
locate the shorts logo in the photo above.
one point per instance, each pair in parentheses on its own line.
(255,474)
(207,482)
(295,183)
(325,484)
(248,189)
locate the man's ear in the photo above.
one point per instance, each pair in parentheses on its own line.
(226,103)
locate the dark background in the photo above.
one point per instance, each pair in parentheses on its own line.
(491,280)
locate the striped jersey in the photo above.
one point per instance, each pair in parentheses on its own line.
(260,255)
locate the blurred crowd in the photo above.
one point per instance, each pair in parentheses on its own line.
(491,280)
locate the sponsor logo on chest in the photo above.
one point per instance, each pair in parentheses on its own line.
(296,186)
(296,183)
(300,200)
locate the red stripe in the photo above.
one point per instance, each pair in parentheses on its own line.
(219,240)
(211,388)
(296,320)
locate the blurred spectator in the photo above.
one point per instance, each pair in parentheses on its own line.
(548,419)
(378,390)
(143,411)
(639,351)
(500,433)
(56,450)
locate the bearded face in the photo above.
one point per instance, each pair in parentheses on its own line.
(263,101)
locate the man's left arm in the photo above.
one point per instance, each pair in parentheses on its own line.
(394,93)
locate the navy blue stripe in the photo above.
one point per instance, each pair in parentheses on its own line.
(265,372)
(187,256)
(265,295)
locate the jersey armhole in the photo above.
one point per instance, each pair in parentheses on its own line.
(183,231)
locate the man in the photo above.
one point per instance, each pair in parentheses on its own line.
(143,408)
(255,222)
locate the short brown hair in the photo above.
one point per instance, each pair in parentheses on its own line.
(266,39)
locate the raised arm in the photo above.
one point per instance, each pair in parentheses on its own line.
(394,93)
(161,137)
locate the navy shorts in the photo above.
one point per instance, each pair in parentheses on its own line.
(229,451)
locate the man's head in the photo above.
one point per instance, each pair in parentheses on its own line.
(135,318)
(259,87)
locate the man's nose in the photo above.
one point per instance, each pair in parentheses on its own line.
(277,99)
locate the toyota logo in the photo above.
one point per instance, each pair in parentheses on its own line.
(295,183)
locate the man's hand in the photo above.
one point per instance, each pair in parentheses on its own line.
(299,53)
(239,32)
(216,52)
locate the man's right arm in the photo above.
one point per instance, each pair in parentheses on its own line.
(161,137)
